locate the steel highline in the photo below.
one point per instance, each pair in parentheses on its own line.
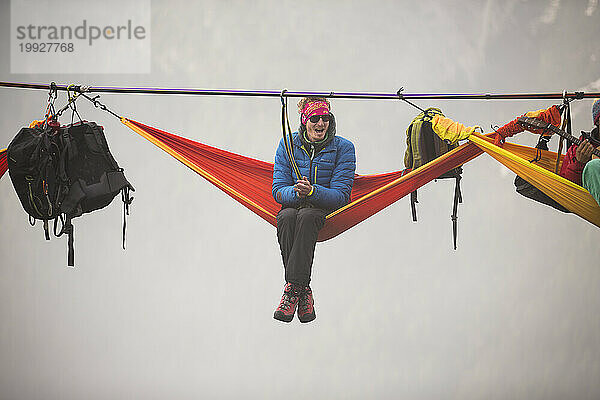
(285,93)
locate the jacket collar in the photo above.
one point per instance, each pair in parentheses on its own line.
(300,143)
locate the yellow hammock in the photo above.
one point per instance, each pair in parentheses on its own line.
(540,174)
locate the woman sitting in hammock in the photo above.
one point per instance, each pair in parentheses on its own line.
(326,163)
(580,165)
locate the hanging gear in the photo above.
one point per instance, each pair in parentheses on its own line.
(60,173)
(423,145)
(526,189)
(34,168)
(94,176)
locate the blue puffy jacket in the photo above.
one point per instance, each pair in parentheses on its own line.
(331,173)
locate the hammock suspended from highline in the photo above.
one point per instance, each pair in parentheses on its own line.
(248,180)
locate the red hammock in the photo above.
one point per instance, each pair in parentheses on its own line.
(249,181)
(3,162)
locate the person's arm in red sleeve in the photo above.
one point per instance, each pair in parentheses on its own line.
(571,167)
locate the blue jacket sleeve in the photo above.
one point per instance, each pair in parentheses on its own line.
(342,179)
(283,182)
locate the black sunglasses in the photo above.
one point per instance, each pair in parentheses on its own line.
(315,118)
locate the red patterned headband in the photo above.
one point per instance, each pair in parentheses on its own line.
(314,108)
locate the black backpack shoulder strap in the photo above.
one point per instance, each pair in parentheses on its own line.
(413,205)
(69,230)
(457,199)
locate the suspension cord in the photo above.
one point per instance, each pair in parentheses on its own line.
(401,97)
(566,124)
(99,105)
(50,110)
(70,103)
(287,135)
(327,94)
(73,106)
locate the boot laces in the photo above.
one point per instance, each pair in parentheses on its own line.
(305,304)
(288,300)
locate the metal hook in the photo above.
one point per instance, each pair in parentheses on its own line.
(52,96)
(565,99)
(281,96)
(399,92)
(53,93)
(401,97)
(69,91)
(94,100)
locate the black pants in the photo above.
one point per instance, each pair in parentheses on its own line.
(297,232)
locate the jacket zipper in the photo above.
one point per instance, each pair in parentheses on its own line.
(312,155)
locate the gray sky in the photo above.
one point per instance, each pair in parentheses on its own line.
(186,311)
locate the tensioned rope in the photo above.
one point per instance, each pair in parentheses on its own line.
(330,94)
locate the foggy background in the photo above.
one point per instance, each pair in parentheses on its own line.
(186,311)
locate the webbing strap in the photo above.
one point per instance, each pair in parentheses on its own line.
(569,127)
(46,230)
(69,230)
(565,124)
(127,199)
(457,199)
(413,205)
(287,136)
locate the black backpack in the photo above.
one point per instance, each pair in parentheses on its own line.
(60,173)
(524,188)
(423,145)
(33,159)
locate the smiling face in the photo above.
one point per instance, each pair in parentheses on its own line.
(316,131)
